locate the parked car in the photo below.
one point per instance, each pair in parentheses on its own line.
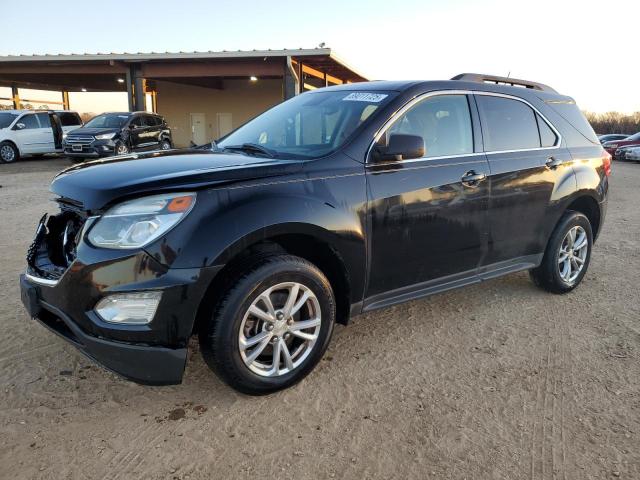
(631,140)
(339,201)
(610,137)
(631,153)
(118,133)
(26,133)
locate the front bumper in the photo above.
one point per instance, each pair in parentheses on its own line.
(95,149)
(149,365)
(154,353)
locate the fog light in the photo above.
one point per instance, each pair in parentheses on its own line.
(129,308)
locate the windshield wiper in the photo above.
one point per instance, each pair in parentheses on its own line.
(252,148)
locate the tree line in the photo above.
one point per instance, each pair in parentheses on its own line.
(614,122)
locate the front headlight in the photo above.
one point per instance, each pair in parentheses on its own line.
(136,223)
(106,136)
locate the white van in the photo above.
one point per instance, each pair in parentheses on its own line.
(28,132)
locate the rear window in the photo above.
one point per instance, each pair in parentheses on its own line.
(69,119)
(572,114)
(507,124)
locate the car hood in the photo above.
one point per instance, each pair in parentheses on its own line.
(93,131)
(93,185)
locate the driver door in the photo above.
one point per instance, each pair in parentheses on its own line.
(27,133)
(427,220)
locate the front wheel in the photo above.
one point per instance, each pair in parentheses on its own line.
(121,148)
(8,153)
(567,255)
(165,144)
(272,327)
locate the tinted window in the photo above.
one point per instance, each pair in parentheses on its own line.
(507,124)
(136,122)
(6,119)
(572,114)
(29,121)
(547,137)
(68,119)
(443,122)
(43,118)
(151,121)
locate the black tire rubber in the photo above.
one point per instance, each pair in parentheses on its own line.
(547,275)
(16,153)
(163,141)
(219,335)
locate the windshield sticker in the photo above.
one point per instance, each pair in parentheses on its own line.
(365,97)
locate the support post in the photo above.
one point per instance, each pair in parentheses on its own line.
(290,81)
(65,100)
(15,97)
(129,82)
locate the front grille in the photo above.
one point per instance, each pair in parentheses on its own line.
(84,139)
(54,246)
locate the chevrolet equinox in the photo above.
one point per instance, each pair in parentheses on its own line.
(336,202)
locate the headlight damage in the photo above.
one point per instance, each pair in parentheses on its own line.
(136,223)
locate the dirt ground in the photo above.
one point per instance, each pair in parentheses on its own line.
(495,381)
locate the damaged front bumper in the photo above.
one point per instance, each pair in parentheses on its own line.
(62,297)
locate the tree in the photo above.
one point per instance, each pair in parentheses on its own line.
(614,122)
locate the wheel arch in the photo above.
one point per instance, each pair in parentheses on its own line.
(590,208)
(14,144)
(305,241)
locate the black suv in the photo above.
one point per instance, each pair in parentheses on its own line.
(118,134)
(339,201)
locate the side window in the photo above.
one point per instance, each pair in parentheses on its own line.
(69,119)
(30,121)
(150,121)
(444,123)
(547,137)
(507,124)
(137,122)
(43,118)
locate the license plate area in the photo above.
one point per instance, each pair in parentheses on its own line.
(76,148)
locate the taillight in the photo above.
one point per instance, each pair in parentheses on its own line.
(606,162)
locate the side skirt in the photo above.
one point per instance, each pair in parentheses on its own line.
(419,290)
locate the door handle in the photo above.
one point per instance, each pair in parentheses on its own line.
(471,178)
(553,162)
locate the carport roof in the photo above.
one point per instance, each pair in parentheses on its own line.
(321,58)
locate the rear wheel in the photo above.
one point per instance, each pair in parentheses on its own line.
(272,327)
(567,256)
(8,153)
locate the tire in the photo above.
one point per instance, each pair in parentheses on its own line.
(8,153)
(165,144)
(552,274)
(221,335)
(120,148)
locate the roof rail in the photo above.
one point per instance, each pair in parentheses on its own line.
(514,82)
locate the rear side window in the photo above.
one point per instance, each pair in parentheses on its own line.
(151,121)
(507,124)
(547,137)
(69,119)
(572,114)
(443,122)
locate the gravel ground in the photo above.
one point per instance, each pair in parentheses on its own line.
(494,381)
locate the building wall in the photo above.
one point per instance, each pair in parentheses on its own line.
(242,98)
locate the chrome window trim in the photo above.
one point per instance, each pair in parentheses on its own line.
(398,113)
(40,281)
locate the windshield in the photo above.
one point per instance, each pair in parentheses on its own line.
(107,120)
(311,125)
(7,119)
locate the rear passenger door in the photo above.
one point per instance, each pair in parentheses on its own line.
(526,159)
(153,130)
(427,223)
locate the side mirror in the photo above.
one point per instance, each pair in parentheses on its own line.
(400,147)
(20,126)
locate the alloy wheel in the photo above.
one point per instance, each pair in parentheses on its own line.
(279,329)
(122,149)
(7,154)
(573,254)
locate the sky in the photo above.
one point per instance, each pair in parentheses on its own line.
(584,49)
